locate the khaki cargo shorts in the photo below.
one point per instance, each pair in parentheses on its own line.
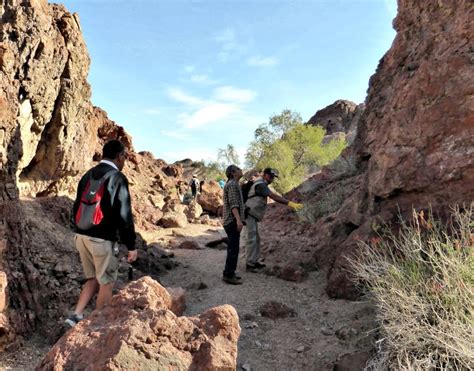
(97,258)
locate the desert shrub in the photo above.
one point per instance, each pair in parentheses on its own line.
(422,283)
(328,204)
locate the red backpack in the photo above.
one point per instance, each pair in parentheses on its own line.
(89,213)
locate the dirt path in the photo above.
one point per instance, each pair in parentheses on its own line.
(320,332)
(307,341)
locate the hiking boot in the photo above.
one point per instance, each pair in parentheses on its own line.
(232,280)
(251,268)
(73,320)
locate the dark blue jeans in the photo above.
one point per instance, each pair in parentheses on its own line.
(233,236)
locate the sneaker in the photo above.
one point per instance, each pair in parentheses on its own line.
(259,265)
(73,320)
(232,280)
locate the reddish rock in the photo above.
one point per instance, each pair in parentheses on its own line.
(178,300)
(193,211)
(173,220)
(341,116)
(211,197)
(138,331)
(174,170)
(275,310)
(189,245)
(292,273)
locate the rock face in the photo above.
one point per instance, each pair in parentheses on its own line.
(414,146)
(341,116)
(50,134)
(138,331)
(44,65)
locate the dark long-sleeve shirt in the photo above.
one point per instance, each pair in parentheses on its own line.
(117,223)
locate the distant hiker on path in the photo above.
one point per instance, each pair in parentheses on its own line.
(102,210)
(194,184)
(221,183)
(255,207)
(233,222)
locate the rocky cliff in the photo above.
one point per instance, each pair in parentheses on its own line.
(50,133)
(414,145)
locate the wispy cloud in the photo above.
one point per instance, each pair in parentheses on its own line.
(202,79)
(152,111)
(208,114)
(229,44)
(259,61)
(176,134)
(189,68)
(232,94)
(182,97)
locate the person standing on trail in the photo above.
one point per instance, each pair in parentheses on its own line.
(255,207)
(98,223)
(194,184)
(233,222)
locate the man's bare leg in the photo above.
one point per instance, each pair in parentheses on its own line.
(105,295)
(88,291)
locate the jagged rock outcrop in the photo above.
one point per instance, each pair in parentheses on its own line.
(139,331)
(341,116)
(414,146)
(44,65)
(50,134)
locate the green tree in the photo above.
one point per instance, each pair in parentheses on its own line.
(228,155)
(268,133)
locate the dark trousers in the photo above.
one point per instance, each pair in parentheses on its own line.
(233,243)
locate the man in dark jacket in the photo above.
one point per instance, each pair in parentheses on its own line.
(97,245)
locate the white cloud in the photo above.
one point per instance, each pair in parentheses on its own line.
(202,79)
(208,114)
(152,111)
(229,44)
(176,134)
(189,68)
(229,93)
(259,61)
(182,97)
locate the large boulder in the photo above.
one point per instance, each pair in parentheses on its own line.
(211,197)
(173,219)
(139,331)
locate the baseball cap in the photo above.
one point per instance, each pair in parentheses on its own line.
(270,171)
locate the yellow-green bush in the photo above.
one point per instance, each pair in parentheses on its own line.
(422,283)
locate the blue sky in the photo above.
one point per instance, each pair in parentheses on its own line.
(188,77)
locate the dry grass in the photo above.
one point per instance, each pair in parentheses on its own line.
(422,282)
(329,203)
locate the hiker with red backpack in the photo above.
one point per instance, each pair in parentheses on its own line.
(102,212)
